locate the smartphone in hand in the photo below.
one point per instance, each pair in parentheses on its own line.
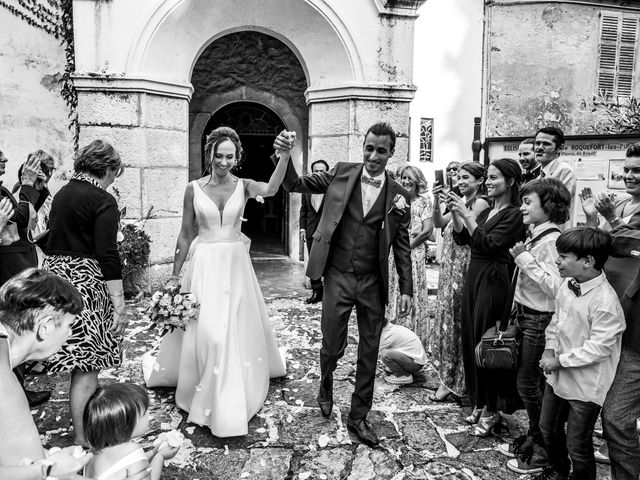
(440,178)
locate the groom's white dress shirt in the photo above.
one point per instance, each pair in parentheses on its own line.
(369,192)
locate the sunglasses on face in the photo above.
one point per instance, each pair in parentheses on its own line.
(452,169)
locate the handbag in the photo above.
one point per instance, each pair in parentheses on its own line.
(499,346)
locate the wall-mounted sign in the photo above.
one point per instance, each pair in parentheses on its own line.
(597,160)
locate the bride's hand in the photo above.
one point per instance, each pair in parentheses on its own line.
(284,141)
(172,284)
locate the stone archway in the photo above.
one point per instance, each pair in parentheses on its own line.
(255,84)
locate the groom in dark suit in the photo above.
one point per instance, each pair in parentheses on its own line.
(364,212)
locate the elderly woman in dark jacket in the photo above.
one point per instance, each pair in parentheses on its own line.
(82,249)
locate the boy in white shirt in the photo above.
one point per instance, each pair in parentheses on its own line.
(402,353)
(545,207)
(582,350)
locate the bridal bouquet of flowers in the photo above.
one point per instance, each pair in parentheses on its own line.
(170,309)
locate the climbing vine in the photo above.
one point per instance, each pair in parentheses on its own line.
(36,14)
(68,91)
(56,18)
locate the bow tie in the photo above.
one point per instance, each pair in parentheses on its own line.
(371,181)
(574,287)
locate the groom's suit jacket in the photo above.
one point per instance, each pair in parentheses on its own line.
(337,185)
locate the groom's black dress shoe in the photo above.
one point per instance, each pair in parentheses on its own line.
(364,431)
(325,397)
(315,297)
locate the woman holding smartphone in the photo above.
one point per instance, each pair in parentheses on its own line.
(490,234)
(444,343)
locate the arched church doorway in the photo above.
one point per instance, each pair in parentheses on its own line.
(254,83)
(267,223)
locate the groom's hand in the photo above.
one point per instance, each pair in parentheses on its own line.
(284,141)
(405,304)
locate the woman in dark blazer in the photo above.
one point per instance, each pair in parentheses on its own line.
(490,236)
(82,249)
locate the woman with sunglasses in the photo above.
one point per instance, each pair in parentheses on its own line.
(452,176)
(82,249)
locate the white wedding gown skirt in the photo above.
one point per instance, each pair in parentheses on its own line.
(221,364)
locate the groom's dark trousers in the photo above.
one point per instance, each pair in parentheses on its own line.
(352,277)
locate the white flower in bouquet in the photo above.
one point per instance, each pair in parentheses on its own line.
(166,300)
(177,300)
(156,296)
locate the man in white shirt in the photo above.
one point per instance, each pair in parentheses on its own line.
(583,343)
(548,147)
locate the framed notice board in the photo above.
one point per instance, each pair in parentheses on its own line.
(597,160)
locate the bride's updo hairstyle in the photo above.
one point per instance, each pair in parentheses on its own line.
(215,138)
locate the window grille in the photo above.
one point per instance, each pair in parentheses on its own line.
(617,56)
(426,139)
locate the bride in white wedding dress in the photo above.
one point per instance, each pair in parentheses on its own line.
(222,363)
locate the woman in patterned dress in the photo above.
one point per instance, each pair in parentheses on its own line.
(82,249)
(413,180)
(444,342)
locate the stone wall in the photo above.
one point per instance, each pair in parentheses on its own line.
(150,132)
(542,67)
(336,129)
(33,114)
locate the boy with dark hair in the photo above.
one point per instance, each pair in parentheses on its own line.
(583,344)
(545,207)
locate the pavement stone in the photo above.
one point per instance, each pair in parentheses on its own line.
(289,439)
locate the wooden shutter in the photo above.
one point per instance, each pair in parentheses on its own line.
(618,37)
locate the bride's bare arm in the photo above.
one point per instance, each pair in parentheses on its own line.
(187,233)
(269,189)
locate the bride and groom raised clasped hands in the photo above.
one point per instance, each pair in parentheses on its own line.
(222,362)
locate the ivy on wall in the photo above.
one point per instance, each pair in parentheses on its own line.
(68,91)
(56,18)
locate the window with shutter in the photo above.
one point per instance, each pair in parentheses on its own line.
(617,55)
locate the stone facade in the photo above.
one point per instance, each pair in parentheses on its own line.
(542,65)
(151,73)
(33,113)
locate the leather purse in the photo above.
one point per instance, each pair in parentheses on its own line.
(499,346)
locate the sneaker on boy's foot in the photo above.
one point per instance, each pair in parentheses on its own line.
(519,445)
(548,473)
(399,379)
(602,454)
(533,461)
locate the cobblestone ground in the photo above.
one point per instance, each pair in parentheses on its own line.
(288,438)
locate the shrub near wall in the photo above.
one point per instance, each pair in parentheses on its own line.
(134,255)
